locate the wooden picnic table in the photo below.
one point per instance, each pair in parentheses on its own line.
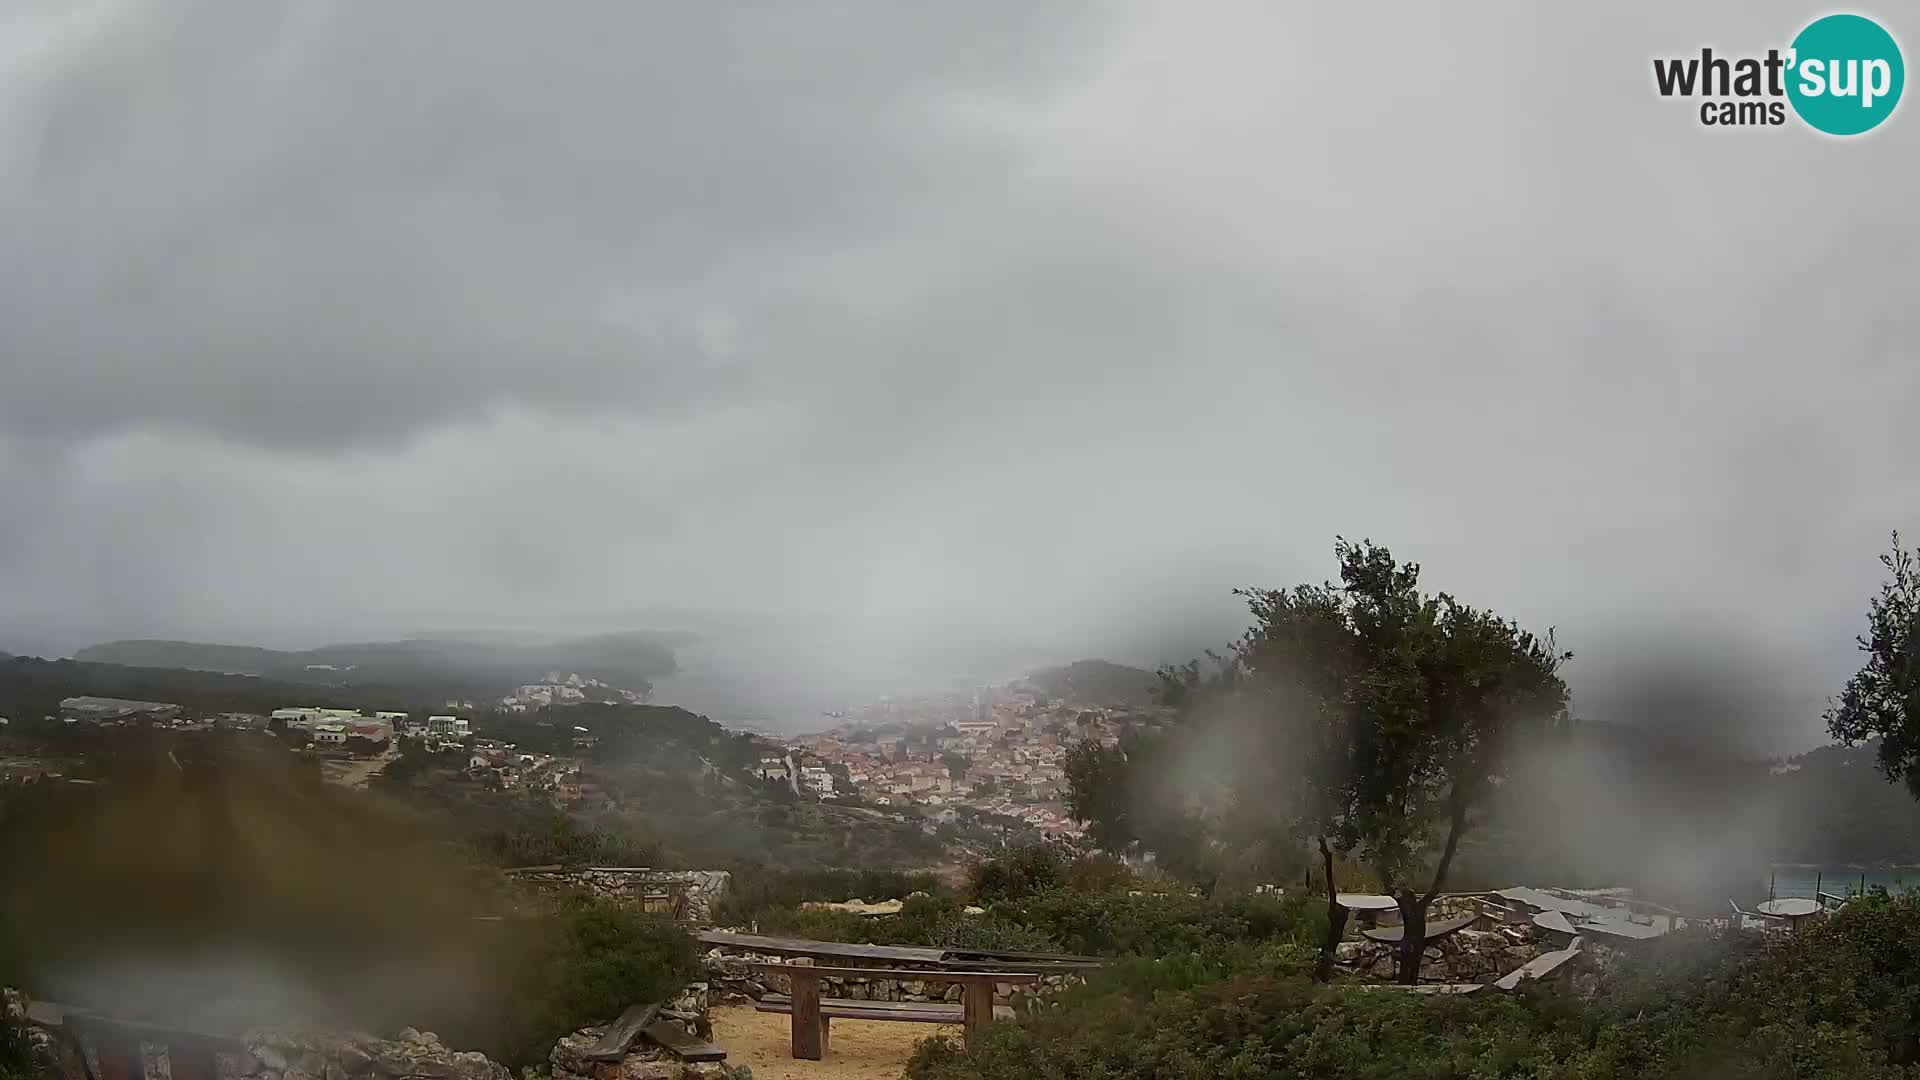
(811,1016)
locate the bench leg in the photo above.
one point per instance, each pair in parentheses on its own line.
(809,1027)
(977,1006)
(826,1034)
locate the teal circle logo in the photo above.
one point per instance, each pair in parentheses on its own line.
(1846,74)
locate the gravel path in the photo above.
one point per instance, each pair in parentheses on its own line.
(856,1049)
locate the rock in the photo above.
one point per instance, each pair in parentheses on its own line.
(634,1067)
(474,1065)
(566,1055)
(1348,952)
(269,1055)
(353,1060)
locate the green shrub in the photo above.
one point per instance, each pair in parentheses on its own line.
(1156,924)
(1020,873)
(989,932)
(585,965)
(1841,1000)
(756,890)
(1097,872)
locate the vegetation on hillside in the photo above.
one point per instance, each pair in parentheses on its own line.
(1098,682)
(31,689)
(1041,898)
(449,666)
(1832,1003)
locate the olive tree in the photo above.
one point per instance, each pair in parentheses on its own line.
(1882,700)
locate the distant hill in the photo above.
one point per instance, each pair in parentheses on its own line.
(465,665)
(1098,682)
(31,688)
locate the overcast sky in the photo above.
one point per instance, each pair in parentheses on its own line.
(1051,321)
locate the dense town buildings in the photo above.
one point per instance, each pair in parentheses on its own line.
(999,751)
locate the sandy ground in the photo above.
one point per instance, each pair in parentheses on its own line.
(856,1049)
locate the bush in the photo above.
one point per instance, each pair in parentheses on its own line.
(988,932)
(1019,874)
(933,921)
(1841,1000)
(585,965)
(757,890)
(1156,924)
(549,837)
(1098,872)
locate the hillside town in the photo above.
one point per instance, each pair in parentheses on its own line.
(993,755)
(1000,751)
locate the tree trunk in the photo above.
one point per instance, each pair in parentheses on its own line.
(1413,936)
(1413,906)
(1336,919)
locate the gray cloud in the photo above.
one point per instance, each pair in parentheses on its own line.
(1052,320)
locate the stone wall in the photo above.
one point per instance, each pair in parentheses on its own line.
(276,1054)
(687,895)
(734,979)
(317,1055)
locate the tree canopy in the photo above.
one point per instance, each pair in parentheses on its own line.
(1883,698)
(1367,715)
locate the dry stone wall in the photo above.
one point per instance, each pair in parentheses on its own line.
(734,979)
(687,895)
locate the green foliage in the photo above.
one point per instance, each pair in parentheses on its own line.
(1098,872)
(1022,872)
(1838,1001)
(1156,924)
(542,836)
(1882,700)
(1097,682)
(587,964)
(757,889)
(1131,796)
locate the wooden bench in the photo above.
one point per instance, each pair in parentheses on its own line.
(811,1013)
(644,1020)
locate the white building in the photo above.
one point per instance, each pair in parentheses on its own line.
(330,733)
(817,780)
(452,727)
